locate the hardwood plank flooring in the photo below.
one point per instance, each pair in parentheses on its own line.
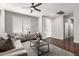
(65,44)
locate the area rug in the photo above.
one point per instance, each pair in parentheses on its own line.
(53,50)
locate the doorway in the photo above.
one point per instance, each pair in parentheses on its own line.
(68,32)
(69,29)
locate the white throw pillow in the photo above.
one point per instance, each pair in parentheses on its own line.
(17,43)
(4,36)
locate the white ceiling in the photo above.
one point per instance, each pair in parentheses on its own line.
(47,8)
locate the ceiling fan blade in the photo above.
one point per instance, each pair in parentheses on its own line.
(37,9)
(31,11)
(37,4)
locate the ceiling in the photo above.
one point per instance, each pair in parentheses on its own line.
(47,8)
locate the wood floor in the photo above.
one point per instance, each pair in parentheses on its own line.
(65,44)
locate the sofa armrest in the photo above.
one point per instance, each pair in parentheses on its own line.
(14,52)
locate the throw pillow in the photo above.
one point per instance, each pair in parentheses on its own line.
(5,44)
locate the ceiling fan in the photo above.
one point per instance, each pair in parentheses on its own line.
(34,7)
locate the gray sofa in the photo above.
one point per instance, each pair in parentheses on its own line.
(10,46)
(24,36)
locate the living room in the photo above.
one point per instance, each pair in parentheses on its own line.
(53,25)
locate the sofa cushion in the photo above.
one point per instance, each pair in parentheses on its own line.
(5,43)
(7,46)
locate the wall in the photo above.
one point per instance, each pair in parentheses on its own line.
(53,27)
(76,25)
(2,21)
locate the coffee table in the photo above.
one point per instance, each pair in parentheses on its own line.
(40,44)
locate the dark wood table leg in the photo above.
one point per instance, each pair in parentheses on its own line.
(42,51)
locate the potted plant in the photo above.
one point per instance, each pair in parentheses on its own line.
(39,37)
